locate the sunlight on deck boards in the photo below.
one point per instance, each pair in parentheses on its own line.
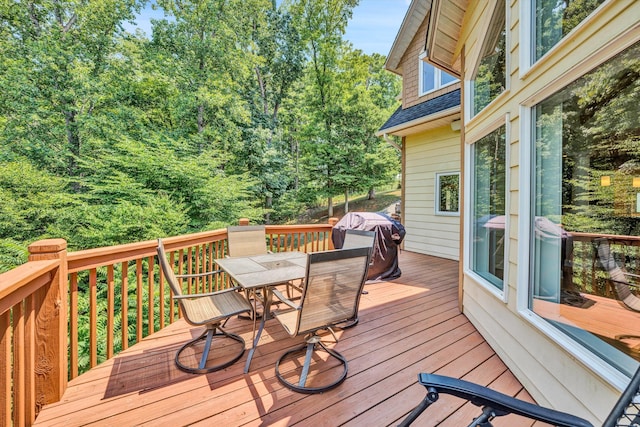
(407,326)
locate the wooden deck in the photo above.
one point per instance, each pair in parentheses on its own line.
(407,326)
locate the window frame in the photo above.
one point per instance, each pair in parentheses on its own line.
(437,193)
(527,113)
(527,18)
(474,59)
(437,76)
(500,294)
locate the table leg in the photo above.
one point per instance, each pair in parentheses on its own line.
(266,292)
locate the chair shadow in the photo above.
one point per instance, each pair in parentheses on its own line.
(145,371)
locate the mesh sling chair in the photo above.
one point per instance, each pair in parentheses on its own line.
(249,240)
(209,310)
(358,239)
(626,411)
(330,296)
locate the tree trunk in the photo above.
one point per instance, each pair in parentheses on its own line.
(346,201)
(73,139)
(268,204)
(372,194)
(330,209)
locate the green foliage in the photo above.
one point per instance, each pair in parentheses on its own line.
(233,108)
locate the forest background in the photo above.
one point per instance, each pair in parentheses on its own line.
(229,109)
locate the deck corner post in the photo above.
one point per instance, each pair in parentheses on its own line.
(51,324)
(332,222)
(243,221)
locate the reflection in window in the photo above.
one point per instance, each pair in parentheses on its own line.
(488,207)
(586,214)
(448,193)
(556,18)
(489,79)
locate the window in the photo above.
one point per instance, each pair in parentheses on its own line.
(554,19)
(488,207)
(432,78)
(489,78)
(585,186)
(448,193)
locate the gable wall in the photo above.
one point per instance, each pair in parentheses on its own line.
(410,71)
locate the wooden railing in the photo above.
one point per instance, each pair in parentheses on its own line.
(63,313)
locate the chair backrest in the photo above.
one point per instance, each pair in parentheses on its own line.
(617,275)
(168,270)
(626,411)
(358,239)
(332,289)
(246,240)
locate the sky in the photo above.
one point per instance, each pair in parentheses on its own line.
(372,28)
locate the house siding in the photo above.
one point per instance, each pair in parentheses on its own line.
(550,371)
(428,153)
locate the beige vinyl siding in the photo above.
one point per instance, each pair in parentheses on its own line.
(428,153)
(548,368)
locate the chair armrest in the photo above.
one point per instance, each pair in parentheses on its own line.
(285,300)
(208,273)
(501,403)
(207,294)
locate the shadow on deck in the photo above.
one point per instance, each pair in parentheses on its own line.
(407,326)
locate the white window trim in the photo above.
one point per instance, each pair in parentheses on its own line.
(503,294)
(527,15)
(436,199)
(591,361)
(437,77)
(474,62)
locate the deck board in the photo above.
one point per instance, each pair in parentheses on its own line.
(407,326)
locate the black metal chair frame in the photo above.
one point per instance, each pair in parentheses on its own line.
(626,411)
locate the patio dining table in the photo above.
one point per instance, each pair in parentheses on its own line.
(263,272)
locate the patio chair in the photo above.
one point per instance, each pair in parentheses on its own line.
(619,278)
(332,286)
(246,240)
(209,310)
(626,411)
(249,240)
(358,239)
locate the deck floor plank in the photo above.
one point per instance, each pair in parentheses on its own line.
(408,325)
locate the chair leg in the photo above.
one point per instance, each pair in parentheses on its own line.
(312,344)
(208,335)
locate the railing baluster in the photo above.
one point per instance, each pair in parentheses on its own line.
(73,325)
(93,317)
(124,291)
(151,302)
(110,310)
(196,257)
(18,366)
(5,368)
(30,359)
(161,301)
(139,322)
(172,261)
(190,269)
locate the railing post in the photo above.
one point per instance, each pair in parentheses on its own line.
(51,324)
(243,221)
(332,222)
